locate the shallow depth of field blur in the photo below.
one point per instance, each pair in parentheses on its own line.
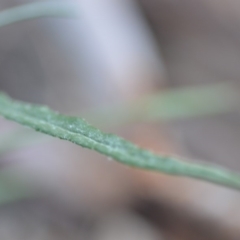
(133,68)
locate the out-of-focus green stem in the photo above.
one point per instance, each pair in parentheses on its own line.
(37,10)
(173,104)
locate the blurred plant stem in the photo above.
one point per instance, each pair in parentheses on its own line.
(183,103)
(38,10)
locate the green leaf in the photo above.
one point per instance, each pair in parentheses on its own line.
(78,131)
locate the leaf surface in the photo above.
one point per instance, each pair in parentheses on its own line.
(80,132)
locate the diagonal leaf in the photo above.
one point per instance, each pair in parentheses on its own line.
(80,132)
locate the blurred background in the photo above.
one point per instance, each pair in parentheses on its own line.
(162,74)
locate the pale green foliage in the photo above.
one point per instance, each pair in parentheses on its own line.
(181,103)
(37,10)
(80,132)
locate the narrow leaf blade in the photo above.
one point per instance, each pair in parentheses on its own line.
(78,131)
